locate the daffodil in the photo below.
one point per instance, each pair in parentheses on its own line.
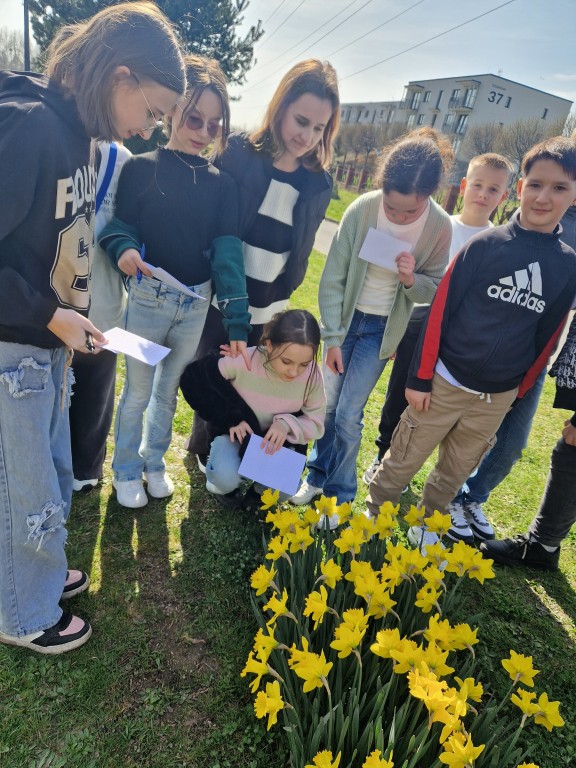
(528,765)
(548,713)
(381,603)
(481,568)
(386,641)
(317,605)
(300,539)
(435,659)
(384,525)
(463,636)
(331,573)
(344,512)
(269,703)
(346,638)
(326,505)
(365,526)
(262,578)
(415,516)
(349,541)
(525,701)
(277,606)
(460,752)
(254,667)
(407,656)
(264,644)
(438,523)
(269,498)
(439,631)
(427,598)
(277,547)
(460,558)
(311,517)
(469,689)
(285,520)
(312,668)
(375,759)
(325,760)
(520,668)
(355,617)
(389,509)
(433,575)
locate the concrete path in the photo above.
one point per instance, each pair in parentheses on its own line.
(324,236)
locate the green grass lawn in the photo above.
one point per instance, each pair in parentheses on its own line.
(337,207)
(158,685)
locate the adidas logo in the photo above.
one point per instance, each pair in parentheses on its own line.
(524,288)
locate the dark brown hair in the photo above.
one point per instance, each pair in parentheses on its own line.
(83,59)
(310,76)
(415,164)
(560,149)
(204,74)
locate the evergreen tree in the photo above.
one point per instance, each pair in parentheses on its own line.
(207,27)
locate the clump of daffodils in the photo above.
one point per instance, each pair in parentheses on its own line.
(358,657)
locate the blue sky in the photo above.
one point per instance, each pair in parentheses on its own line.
(530,41)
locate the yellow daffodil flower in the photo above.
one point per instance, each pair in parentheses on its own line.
(365,526)
(525,701)
(415,516)
(269,703)
(407,656)
(254,667)
(312,668)
(277,547)
(317,605)
(285,520)
(331,573)
(427,598)
(460,558)
(300,539)
(262,578)
(436,553)
(520,668)
(439,631)
(460,751)
(469,689)
(375,759)
(385,525)
(389,509)
(438,523)
(349,541)
(344,512)
(269,498)
(277,606)
(359,568)
(346,638)
(326,505)
(433,575)
(435,659)
(528,765)
(381,603)
(264,644)
(355,617)
(311,517)
(548,713)
(386,641)
(325,760)
(481,568)
(463,636)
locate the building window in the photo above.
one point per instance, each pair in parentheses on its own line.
(456,145)
(470,97)
(508,102)
(439,99)
(415,100)
(420,120)
(455,94)
(433,121)
(448,120)
(427,95)
(390,116)
(461,124)
(366,113)
(411,120)
(544,114)
(381,113)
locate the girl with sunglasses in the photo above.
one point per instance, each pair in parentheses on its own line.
(47,206)
(174,210)
(280,170)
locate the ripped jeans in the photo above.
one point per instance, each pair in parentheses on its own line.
(35,485)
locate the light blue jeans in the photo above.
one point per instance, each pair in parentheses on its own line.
(35,485)
(332,461)
(511,439)
(166,316)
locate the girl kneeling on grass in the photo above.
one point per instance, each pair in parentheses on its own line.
(184,211)
(281,395)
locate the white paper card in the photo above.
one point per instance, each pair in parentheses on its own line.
(166,277)
(381,249)
(146,351)
(280,471)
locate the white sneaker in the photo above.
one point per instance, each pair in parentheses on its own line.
(160,484)
(202,460)
(130,493)
(368,476)
(478,521)
(460,530)
(420,538)
(305,494)
(333,522)
(84,485)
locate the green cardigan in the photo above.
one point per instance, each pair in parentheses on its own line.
(344,272)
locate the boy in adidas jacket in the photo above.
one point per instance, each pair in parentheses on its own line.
(493,323)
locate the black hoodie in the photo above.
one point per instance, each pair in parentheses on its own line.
(47,184)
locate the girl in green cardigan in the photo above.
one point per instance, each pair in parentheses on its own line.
(365,306)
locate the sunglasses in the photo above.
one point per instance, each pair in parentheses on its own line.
(195,122)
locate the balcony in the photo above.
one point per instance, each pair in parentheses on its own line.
(461,105)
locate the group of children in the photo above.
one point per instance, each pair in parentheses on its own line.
(237,231)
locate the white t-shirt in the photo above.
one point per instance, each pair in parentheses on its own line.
(379,286)
(461,233)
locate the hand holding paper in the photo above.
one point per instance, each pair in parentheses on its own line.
(146,351)
(280,470)
(382,249)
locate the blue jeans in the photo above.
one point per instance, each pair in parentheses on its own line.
(332,461)
(512,438)
(35,485)
(166,316)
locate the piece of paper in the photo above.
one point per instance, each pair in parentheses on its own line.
(280,471)
(166,277)
(381,249)
(146,351)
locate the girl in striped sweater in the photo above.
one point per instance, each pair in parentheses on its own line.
(280,396)
(365,307)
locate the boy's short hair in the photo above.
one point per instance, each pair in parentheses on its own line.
(491,160)
(560,149)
